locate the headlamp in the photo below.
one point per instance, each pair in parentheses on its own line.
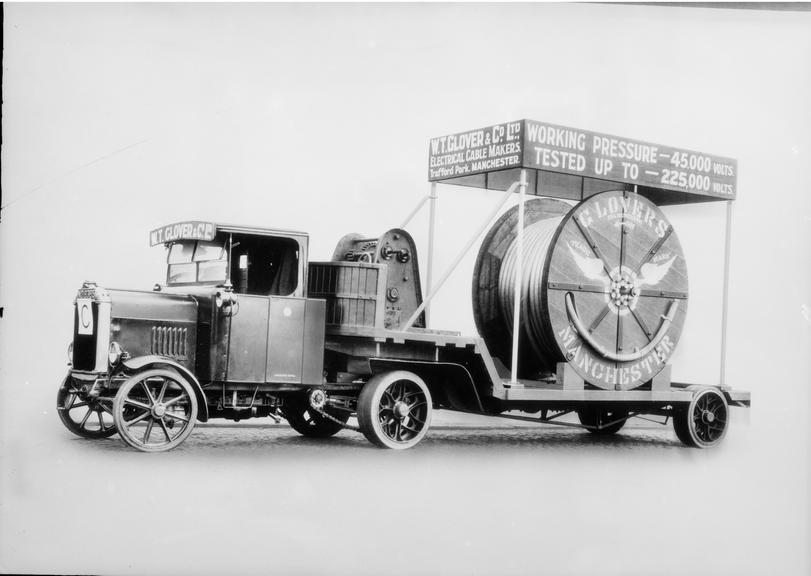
(114,353)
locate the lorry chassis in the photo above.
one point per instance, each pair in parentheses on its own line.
(155,410)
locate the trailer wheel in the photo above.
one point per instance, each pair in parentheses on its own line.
(594,418)
(82,416)
(394,409)
(703,423)
(155,410)
(307,422)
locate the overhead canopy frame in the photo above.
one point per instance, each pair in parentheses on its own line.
(543,159)
(570,163)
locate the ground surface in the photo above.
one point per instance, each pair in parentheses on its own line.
(469,500)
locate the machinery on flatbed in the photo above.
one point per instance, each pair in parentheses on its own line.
(578,308)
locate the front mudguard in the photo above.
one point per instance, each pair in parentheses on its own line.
(153,361)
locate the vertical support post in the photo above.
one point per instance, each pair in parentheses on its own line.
(725,302)
(431,231)
(519,275)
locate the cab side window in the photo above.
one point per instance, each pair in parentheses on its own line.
(265,266)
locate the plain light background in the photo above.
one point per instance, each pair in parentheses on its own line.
(120,118)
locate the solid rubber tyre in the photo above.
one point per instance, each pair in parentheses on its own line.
(704,422)
(394,410)
(594,416)
(680,425)
(140,400)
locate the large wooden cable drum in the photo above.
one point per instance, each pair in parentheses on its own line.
(604,289)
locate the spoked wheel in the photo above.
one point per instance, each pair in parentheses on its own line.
(308,422)
(394,410)
(703,423)
(85,417)
(601,421)
(155,410)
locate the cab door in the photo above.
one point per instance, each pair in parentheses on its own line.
(295,353)
(248,340)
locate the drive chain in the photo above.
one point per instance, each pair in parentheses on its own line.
(330,417)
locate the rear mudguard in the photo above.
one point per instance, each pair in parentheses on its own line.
(448,379)
(152,361)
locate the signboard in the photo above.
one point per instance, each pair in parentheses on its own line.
(552,148)
(84,310)
(183,231)
(485,150)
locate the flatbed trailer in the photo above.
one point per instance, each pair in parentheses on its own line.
(497,385)
(492,393)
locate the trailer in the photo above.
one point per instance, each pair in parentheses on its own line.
(579,297)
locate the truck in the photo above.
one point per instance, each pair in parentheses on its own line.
(245,325)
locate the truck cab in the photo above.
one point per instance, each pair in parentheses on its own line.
(262,328)
(231,334)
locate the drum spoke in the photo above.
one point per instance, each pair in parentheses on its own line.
(603,313)
(642,325)
(654,249)
(593,245)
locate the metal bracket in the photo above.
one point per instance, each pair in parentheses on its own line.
(662,380)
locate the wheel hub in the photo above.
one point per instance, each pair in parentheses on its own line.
(318,399)
(401,410)
(159,410)
(708,417)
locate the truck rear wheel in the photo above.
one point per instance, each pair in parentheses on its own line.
(394,410)
(308,422)
(702,423)
(155,410)
(597,418)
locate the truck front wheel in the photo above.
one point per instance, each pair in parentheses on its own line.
(155,410)
(84,416)
(394,409)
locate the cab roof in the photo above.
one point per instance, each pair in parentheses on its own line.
(200,230)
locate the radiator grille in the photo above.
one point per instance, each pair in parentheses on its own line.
(84,345)
(86,292)
(169,341)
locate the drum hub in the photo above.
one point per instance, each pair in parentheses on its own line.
(623,290)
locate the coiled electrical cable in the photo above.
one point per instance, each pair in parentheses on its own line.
(537,241)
